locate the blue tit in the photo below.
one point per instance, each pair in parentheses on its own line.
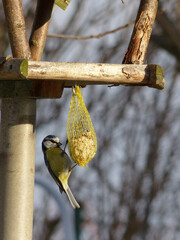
(59,165)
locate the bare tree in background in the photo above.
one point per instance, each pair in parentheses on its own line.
(130,190)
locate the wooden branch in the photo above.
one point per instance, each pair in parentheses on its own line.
(142,32)
(83,73)
(40,28)
(16,29)
(100,35)
(37,43)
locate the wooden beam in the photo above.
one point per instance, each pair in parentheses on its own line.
(83,73)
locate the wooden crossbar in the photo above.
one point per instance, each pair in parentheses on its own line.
(83,73)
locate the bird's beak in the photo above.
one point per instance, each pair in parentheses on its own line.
(59,144)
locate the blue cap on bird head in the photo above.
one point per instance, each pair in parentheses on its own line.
(50,141)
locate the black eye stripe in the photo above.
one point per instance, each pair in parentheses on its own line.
(54,141)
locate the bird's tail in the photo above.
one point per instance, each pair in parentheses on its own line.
(72,199)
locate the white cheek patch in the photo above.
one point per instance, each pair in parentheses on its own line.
(48,144)
(56,139)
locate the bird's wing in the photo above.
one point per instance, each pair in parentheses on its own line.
(53,175)
(68,160)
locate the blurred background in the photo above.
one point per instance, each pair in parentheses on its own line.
(130,191)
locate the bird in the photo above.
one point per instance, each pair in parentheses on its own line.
(59,165)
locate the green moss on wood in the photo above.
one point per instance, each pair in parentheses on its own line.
(24,68)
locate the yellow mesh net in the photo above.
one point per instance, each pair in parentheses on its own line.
(82,141)
(62,3)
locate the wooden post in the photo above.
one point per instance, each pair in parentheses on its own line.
(17,155)
(17,151)
(17,135)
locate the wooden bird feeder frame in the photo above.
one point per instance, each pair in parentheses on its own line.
(25,78)
(35,79)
